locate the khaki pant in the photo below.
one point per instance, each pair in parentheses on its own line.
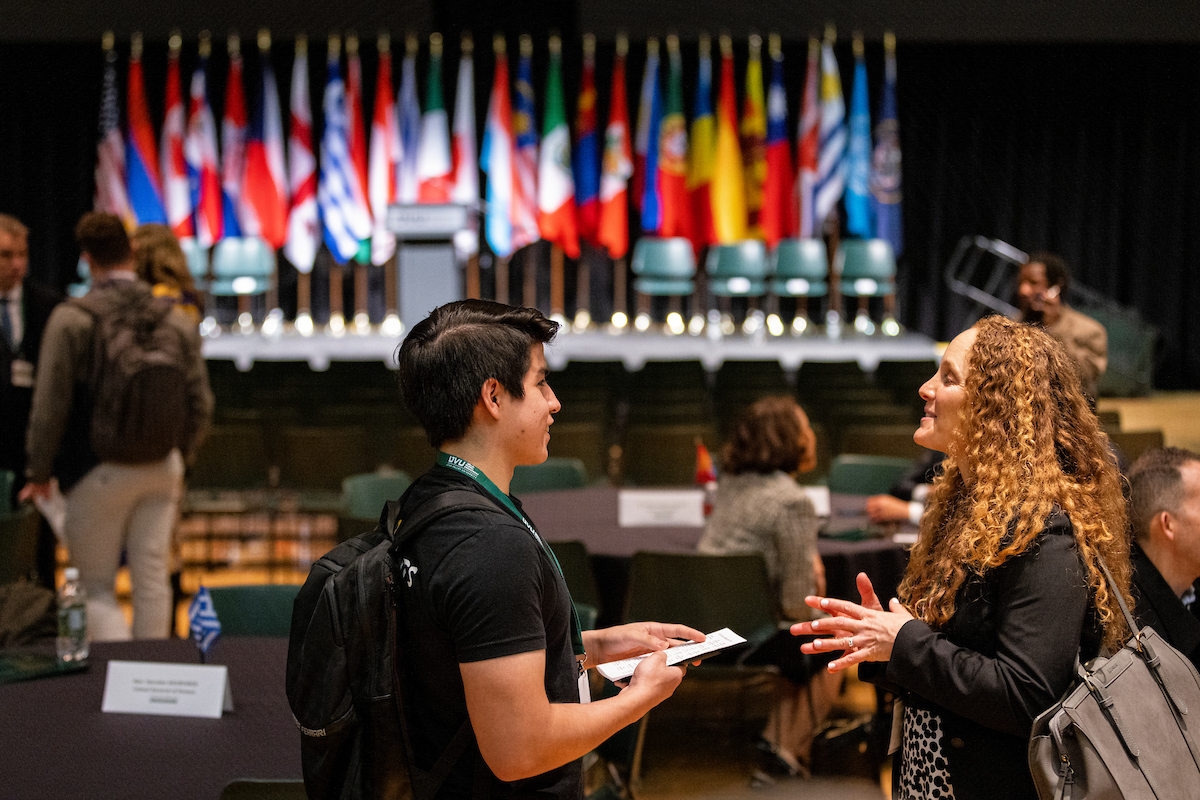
(131,508)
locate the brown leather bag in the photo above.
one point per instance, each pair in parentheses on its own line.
(1127,730)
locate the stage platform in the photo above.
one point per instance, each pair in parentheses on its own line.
(632,348)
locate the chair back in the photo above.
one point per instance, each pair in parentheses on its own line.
(1134,443)
(664,267)
(553,474)
(800,268)
(363,496)
(865,475)
(577,571)
(18,544)
(867,267)
(197,258)
(264,789)
(242,265)
(706,592)
(254,610)
(738,269)
(6,487)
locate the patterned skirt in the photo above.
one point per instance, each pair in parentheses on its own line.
(923,774)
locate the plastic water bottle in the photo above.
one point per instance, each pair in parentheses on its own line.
(72,619)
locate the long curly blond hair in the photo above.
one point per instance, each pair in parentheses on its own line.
(1030,442)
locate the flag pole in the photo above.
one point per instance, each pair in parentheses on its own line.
(467,50)
(832,228)
(502,287)
(529,276)
(583,296)
(620,295)
(557,288)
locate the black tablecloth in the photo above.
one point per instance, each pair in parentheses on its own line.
(590,516)
(58,744)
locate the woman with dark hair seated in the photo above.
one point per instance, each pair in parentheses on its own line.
(1004,588)
(760,508)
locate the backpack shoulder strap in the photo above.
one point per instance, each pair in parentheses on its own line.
(426,514)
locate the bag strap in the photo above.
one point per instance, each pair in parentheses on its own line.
(1112,586)
(426,514)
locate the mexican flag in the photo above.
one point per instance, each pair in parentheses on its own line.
(556,184)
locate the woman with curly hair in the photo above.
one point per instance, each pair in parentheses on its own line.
(162,264)
(1004,587)
(759,508)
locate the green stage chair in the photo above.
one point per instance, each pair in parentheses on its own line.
(254,610)
(18,544)
(197,261)
(799,269)
(866,475)
(551,475)
(264,789)
(242,266)
(737,270)
(866,268)
(662,268)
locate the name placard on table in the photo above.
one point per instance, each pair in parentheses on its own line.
(672,508)
(168,690)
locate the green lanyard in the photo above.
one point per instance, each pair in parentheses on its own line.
(471,471)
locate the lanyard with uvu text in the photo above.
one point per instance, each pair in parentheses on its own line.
(471,471)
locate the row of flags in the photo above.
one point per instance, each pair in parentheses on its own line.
(723,178)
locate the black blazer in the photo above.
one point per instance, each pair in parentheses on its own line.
(37,302)
(1157,605)
(1006,655)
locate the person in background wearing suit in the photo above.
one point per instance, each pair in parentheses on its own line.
(1004,587)
(1042,287)
(24,308)
(1164,503)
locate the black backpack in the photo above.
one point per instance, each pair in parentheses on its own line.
(138,381)
(343,666)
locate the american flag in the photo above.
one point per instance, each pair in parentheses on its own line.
(110,150)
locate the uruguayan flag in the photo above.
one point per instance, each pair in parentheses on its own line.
(343,209)
(202,620)
(831,158)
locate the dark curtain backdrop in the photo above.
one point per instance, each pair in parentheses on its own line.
(1086,149)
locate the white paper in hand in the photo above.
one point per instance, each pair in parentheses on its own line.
(679,654)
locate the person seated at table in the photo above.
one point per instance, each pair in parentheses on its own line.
(905,500)
(1004,588)
(760,508)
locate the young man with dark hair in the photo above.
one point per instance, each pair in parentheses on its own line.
(1042,287)
(1164,502)
(492,635)
(115,503)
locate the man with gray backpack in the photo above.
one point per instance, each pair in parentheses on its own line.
(121,400)
(440,655)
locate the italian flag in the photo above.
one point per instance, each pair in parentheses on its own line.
(556,185)
(434,176)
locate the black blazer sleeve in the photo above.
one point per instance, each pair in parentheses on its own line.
(1040,600)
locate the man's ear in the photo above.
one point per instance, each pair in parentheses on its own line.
(489,397)
(1166,523)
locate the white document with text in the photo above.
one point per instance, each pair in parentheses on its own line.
(679,654)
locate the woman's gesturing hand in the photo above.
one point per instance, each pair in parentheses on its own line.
(864,631)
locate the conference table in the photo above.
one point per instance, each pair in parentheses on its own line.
(590,515)
(59,744)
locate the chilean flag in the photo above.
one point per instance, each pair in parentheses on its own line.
(496,160)
(141,161)
(264,183)
(618,165)
(779,212)
(174,173)
(383,158)
(200,151)
(233,143)
(587,149)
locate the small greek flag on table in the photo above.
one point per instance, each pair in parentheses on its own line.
(202,619)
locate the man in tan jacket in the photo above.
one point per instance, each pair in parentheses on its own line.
(1041,288)
(118,499)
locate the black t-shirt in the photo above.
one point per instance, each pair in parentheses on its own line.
(481,588)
